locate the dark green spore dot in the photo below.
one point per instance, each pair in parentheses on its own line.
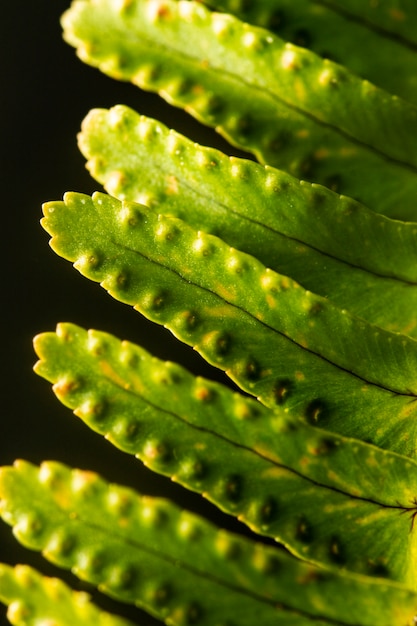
(95,565)
(155,73)
(158,452)
(326,54)
(122,281)
(194,469)
(307,167)
(161,595)
(185,87)
(289,426)
(232,488)
(302,37)
(157,301)
(315,411)
(98,346)
(277,20)
(378,569)
(268,511)
(272,565)
(334,183)
(96,411)
(94,260)
(324,446)
(282,390)
(124,63)
(279,142)
(130,433)
(63,544)
(205,394)
(304,531)
(315,308)
(245,125)
(33,525)
(246,5)
(222,344)
(123,577)
(69,385)
(336,552)
(188,321)
(130,359)
(215,105)
(318,198)
(193,614)
(251,370)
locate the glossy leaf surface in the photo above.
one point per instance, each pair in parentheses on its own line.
(182,569)
(262,328)
(333,246)
(35,600)
(291,108)
(283,478)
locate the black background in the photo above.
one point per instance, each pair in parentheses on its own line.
(45,93)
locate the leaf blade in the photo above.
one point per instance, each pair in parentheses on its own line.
(395,18)
(278,132)
(331,245)
(329,33)
(253,463)
(34,599)
(245,572)
(259,336)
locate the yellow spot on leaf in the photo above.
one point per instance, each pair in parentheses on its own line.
(172,187)
(110,374)
(397,15)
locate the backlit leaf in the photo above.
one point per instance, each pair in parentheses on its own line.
(35,600)
(330,244)
(178,566)
(387,61)
(291,108)
(285,479)
(262,328)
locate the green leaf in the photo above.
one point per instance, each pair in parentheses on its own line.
(35,600)
(178,566)
(283,478)
(333,246)
(291,108)
(377,56)
(262,328)
(396,17)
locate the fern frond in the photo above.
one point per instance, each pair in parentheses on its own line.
(35,600)
(260,327)
(330,244)
(291,108)
(377,56)
(150,553)
(283,478)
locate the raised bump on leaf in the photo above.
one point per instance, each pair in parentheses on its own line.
(326,139)
(277,329)
(222,577)
(304,231)
(265,468)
